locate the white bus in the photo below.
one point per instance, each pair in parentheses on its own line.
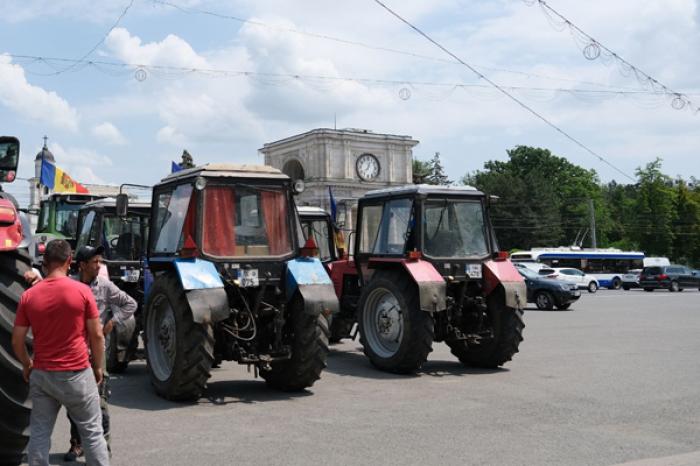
(608,265)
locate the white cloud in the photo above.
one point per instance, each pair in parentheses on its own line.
(171,51)
(109,133)
(80,163)
(33,102)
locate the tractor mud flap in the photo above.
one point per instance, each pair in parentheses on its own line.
(319,299)
(309,277)
(204,290)
(208,305)
(503,273)
(432,288)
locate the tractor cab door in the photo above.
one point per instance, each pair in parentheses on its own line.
(385,229)
(323,233)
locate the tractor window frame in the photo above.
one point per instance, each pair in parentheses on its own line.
(489,244)
(85,221)
(177,203)
(385,228)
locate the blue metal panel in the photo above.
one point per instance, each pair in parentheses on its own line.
(198,274)
(305,271)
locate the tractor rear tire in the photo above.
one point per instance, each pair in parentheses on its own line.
(508,328)
(396,335)
(179,351)
(14,391)
(307,334)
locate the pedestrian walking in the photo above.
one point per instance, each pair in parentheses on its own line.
(61,312)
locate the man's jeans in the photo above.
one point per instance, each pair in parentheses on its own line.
(77,391)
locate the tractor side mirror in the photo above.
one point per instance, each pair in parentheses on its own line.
(122,205)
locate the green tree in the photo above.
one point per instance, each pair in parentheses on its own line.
(437,174)
(543,198)
(686,225)
(655,213)
(421,171)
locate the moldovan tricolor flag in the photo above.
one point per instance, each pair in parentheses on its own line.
(54,178)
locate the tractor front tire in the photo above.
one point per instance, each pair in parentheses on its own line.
(179,351)
(507,325)
(14,391)
(396,335)
(307,333)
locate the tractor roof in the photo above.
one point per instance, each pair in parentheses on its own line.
(112,202)
(427,189)
(311,210)
(231,170)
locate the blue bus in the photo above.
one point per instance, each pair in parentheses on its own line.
(608,265)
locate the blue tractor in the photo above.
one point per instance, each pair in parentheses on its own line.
(229,278)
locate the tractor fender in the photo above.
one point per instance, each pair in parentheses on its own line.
(432,288)
(308,276)
(204,290)
(504,274)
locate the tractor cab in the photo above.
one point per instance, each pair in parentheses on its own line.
(231,281)
(317,224)
(58,219)
(123,238)
(426,268)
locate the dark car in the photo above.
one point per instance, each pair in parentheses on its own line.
(547,292)
(670,277)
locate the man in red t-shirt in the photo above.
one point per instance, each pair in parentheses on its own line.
(61,312)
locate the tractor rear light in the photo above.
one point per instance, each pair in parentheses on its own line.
(7,215)
(41,248)
(189,248)
(414,255)
(500,256)
(309,249)
(10,177)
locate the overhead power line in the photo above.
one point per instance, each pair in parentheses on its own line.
(592,49)
(97,64)
(100,42)
(505,92)
(355,43)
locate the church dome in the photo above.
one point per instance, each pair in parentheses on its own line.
(45,154)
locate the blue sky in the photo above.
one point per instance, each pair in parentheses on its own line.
(106,126)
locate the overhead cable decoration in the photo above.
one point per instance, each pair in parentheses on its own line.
(592,49)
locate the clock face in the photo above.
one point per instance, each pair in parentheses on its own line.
(367,167)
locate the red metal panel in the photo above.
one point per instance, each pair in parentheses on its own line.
(496,272)
(10,235)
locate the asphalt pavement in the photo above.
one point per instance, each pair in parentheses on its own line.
(612,380)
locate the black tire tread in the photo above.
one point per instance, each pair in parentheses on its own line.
(14,391)
(507,342)
(420,341)
(309,351)
(195,353)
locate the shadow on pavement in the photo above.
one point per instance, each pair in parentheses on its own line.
(133,390)
(356,364)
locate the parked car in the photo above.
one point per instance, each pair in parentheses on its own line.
(547,292)
(670,277)
(582,280)
(631,279)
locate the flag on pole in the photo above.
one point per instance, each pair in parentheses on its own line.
(59,181)
(175,167)
(334,207)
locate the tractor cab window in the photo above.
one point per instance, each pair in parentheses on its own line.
(386,227)
(44,216)
(84,237)
(172,208)
(122,238)
(240,221)
(67,218)
(454,228)
(320,231)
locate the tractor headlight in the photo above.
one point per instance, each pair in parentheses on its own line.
(200,183)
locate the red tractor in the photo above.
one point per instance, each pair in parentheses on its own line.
(426,268)
(14,261)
